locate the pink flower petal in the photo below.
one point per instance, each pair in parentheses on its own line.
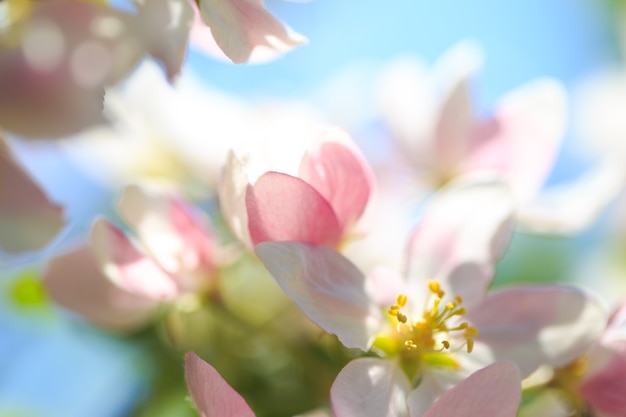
(74,281)
(282,207)
(176,236)
(537,325)
(127,266)
(494,391)
(370,387)
(327,287)
(338,170)
(239,26)
(523,137)
(463,232)
(604,389)
(211,393)
(28,219)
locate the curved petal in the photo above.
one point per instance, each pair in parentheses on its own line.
(167,24)
(328,288)
(455,121)
(176,236)
(570,208)
(282,207)
(522,139)
(232,193)
(463,232)
(239,26)
(28,219)
(338,170)
(433,383)
(494,391)
(211,393)
(129,268)
(74,281)
(370,387)
(537,325)
(603,387)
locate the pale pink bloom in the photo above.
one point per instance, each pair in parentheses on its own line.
(56,62)
(442,135)
(435,324)
(28,219)
(176,257)
(241,30)
(312,195)
(491,392)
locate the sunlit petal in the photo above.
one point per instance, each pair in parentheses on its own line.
(327,287)
(370,387)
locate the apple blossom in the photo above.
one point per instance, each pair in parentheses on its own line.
(434,325)
(316,200)
(177,258)
(214,397)
(519,140)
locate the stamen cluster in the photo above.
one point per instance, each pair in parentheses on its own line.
(431,332)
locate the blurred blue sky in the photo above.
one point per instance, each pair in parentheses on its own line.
(56,368)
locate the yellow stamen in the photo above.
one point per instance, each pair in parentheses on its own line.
(410,345)
(401,300)
(401,317)
(470,345)
(435,287)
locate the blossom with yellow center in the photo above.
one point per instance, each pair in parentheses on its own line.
(428,335)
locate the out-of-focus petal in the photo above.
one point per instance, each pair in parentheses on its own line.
(211,393)
(327,287)
(337,169)
(28,219)
(282,207)
(239,26)
(494,391)
(370,387)
(127,266)
(55,64)
(178,238)
(167,24)
(408,102)
(537,325)
(571,207)
(464,230)
(74,281)
(604,384)
(523,137)
(454,124)
(232,192)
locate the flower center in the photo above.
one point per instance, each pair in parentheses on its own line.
(435,331)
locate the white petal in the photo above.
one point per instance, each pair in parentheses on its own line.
(370,387)
(463,232)
(532,326)
(494,391)
(328,288)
